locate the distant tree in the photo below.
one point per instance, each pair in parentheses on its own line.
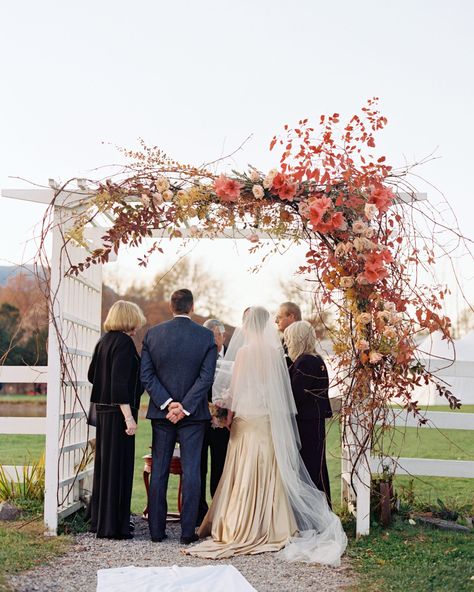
(465,322)
(11,333)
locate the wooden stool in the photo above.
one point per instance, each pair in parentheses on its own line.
(175,469)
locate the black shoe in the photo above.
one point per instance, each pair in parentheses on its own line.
(159,539)
(188,540)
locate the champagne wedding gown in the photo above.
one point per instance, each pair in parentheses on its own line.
(250,512)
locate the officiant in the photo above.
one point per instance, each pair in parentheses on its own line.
(215,439)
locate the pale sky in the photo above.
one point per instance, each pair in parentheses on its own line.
(198,78)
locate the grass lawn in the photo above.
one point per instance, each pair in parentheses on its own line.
(411,558)
(22,546)
(17,398)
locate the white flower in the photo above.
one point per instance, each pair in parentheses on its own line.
(389,306)
(254,175)
(412,522)
(162,184)
(145,200)
(193,230)
(258,191)
(268,181)
(157,199)
(370,211)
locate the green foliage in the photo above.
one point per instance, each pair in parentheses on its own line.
(28,483)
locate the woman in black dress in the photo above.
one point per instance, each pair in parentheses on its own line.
(115,375)
(310,383)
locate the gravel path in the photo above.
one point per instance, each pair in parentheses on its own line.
(77,570)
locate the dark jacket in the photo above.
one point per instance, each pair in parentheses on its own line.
(310,383)
(178,362)
(115,371)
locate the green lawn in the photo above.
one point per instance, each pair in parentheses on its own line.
(22,545)
(415,559)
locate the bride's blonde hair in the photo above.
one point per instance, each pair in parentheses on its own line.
(300,339)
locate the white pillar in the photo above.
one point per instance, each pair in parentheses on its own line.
(53,400)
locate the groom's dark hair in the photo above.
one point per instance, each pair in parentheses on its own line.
(182,301)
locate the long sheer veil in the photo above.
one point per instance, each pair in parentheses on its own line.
(253,380)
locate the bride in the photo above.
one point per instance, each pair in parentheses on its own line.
(265,500)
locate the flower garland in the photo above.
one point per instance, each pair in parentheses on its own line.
(329,190)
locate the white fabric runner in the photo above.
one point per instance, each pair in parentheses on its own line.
(222,578)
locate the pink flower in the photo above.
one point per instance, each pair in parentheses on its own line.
(375,357)
(370,211)
(227,189)
(254,238)
(317,208)
(382,197)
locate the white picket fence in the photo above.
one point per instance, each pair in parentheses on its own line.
(356,483)
(22,425)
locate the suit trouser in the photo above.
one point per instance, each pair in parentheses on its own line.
(215,440)
(190,435)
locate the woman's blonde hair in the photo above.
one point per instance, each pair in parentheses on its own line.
(300,339)
(124,316)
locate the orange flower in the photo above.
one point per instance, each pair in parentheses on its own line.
(227,189)
(317,209)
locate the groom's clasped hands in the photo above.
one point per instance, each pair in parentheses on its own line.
(175,412)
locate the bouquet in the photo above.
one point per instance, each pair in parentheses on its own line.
(218,415)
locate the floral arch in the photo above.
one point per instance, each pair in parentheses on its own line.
(331,191)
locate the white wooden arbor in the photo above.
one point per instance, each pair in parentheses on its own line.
(75,328)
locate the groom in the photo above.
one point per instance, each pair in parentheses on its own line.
(177,370)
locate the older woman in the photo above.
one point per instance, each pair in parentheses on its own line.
(310,383)
(115,375)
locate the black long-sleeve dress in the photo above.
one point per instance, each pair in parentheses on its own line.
(310,383)
(115,375)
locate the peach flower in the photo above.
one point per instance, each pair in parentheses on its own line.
(162,184)
(359,227)
(364,318)
(167,195)
(254,175)
(145,200)
(157,199)
(258,191)
(370,211)
(389,333)
(346,281)
(375,357)
(362,345)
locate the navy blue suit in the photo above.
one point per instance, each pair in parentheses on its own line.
(178,363)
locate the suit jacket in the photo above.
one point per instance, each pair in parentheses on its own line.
(178,362)
(310,383)
(115,371)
